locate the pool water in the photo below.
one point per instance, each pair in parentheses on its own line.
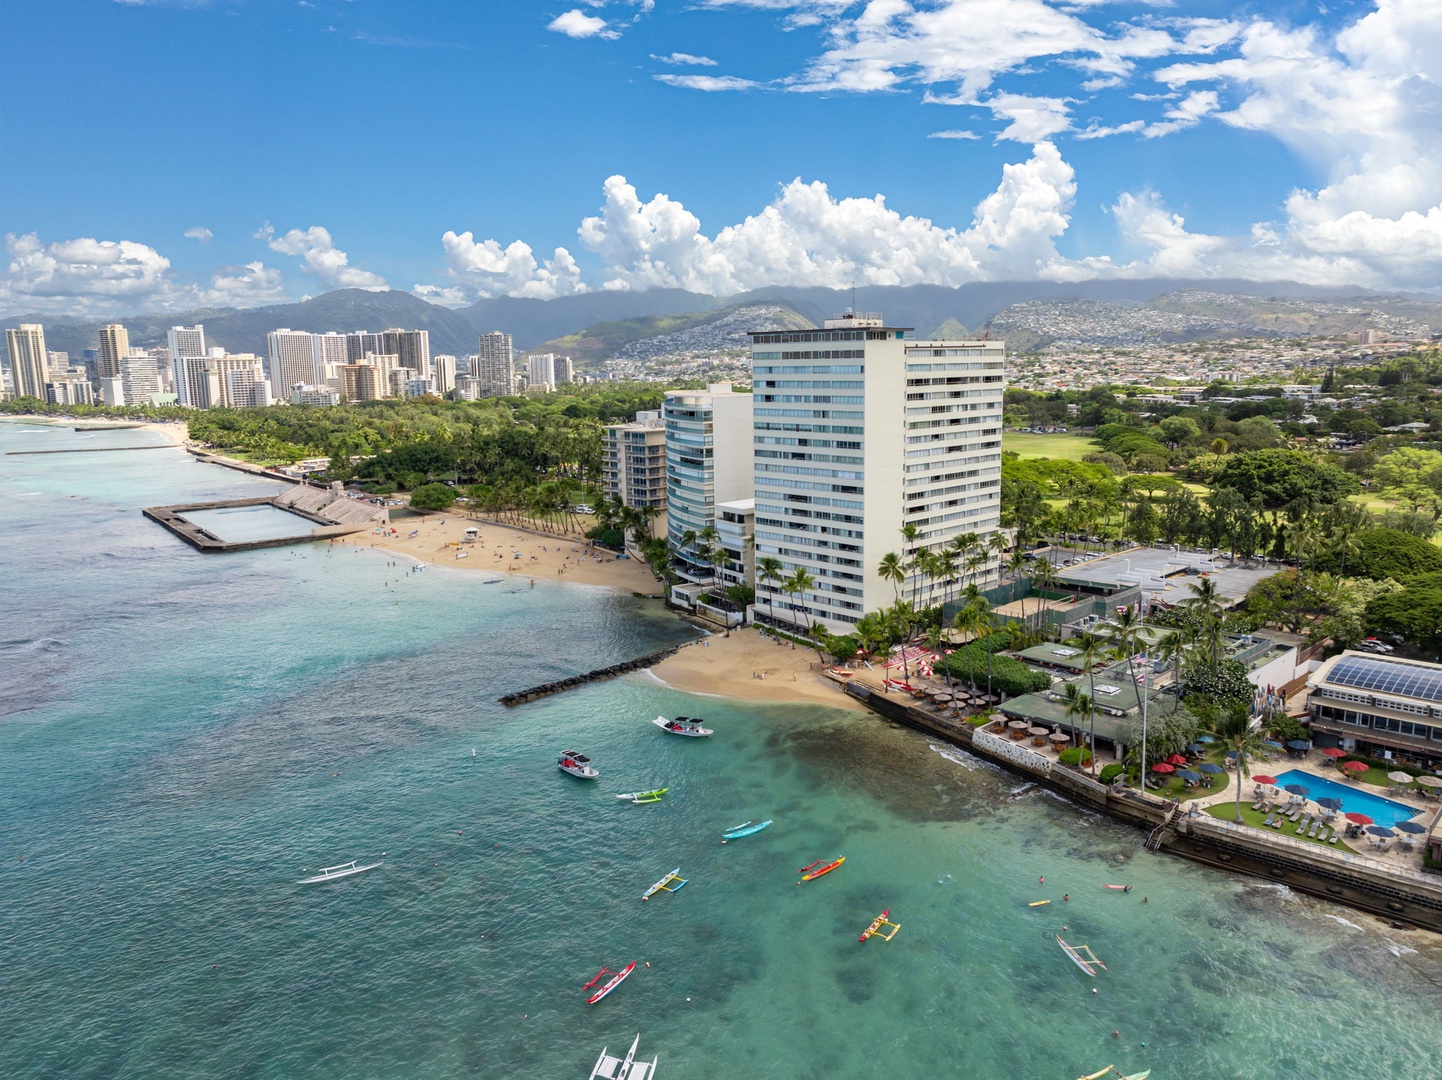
(1383,811)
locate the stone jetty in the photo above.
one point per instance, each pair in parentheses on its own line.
(562,685)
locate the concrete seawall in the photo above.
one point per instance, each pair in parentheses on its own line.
(172,518)
(1339,876)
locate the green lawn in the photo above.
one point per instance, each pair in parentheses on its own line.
(1227,811)
(1066,447)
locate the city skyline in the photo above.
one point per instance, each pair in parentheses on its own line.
(723,145)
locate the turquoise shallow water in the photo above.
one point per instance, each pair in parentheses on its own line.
(238,524)
(182,736)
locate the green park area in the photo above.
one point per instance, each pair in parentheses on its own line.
(1066,447)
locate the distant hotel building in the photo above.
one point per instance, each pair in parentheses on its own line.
(29,362)
(291,356)
(541,371)
(1379,707)
(860,431)
(633,461)
(114,347)
(495,366)
(300,394)
(185,344)
(444,367)
(708,462)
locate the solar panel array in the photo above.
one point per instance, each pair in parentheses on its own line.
(1388,677)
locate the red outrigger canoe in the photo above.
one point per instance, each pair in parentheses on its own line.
(617,978)
(816,869)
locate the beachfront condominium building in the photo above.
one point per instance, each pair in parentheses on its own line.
(735,531)
(29,361)
(633,461)
(361,382)
(70,391)
(443,366)
(860,432)
(329,349)
(114,347)
(495,365)
(708,461)
(291,355)
(468,388)
(139,380)
(564,372)
(541,371)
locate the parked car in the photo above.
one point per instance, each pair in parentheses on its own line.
(1378,644)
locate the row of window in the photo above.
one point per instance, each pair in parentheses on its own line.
(775,440)
(995,365)
(808,541)
(808,369)
(817,414)
(806,455)
(811,384)
(802,470)
(799,336)
(1380,723)
(812,354)
(823,429)
(817,399)
(1395,704)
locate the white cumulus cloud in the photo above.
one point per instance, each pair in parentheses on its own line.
(577,24)
(707,82)
(322,258)
(681,59)
(245,286)
(198,232)
(485,268)
(81,275)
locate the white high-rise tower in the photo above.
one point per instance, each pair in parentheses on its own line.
(29,362)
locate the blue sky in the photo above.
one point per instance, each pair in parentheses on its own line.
(185,152)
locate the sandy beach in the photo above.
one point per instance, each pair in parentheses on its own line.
(502,549)
(174,434)
(747,666)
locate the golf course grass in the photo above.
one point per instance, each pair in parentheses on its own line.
(1066,447)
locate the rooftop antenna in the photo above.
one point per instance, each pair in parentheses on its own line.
(853,298)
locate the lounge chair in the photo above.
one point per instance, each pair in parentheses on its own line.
(1333,838)
(1278,823)
(1257,805)
(1268,821)
(1312,832)
(1302,825)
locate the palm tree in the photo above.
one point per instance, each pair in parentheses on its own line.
(936,642)
(893,571)
(1210,605)
(1234,729)
(909,533)
(1078,703)
(969,621)
(768,571)
(1093,650)
(1043,576)
(1124,633)
(797,584)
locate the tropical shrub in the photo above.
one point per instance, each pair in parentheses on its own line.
(433,497)
(1111,772)
(1385,553)
(1073,757)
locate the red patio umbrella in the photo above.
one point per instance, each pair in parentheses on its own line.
(1358,819)
(1263,779)
(1353,766)
(1333,751)
(1176,759)
(1163,767)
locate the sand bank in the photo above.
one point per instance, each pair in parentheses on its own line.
(750,667)
(502,549)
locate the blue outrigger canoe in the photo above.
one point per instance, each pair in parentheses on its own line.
(738,831)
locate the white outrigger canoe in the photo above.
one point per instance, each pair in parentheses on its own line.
(334,873)
(683,725)
(613,1068)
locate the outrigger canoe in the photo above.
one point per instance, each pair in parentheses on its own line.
(1112,1070)
(1082,956)
(672,882)
(331,873)
(645,796)
(1122,888)
(816,869)
(617,978)
(736,832)
(874,930)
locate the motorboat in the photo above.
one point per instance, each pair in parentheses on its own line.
(627,1068)
(683,725)
(577,765)
(335,873)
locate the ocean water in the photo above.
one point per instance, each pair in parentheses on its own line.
(183,736)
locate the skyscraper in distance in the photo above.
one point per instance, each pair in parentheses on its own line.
(29,361)
(291,355)
(495,365)
(114,347)
(187,346)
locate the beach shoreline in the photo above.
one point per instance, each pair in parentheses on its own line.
(746,665)
(440,539)
(175,434)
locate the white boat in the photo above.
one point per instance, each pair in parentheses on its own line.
(334,873)
(576,764)
(683,725)
(627,1068)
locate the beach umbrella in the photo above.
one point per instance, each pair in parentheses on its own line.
(1410,826)
(1176,759)
(1163,767)
(1187,774)
(1358,819)
(1380,830)
(1353,766)
(1017,725)
(1334,752)
(1430,781)
(1299,744)
(1399,777)
(1036,731)
(1330,803)
(1195,748)
(1205,739)
(1059,737)
(1209,767)
(1297,789)
(1231,755)
(1273,744)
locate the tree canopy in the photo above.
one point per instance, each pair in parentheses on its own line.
(1278,477)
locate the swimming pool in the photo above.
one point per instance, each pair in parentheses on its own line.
(1382,811)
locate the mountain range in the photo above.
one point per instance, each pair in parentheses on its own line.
(592,325)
